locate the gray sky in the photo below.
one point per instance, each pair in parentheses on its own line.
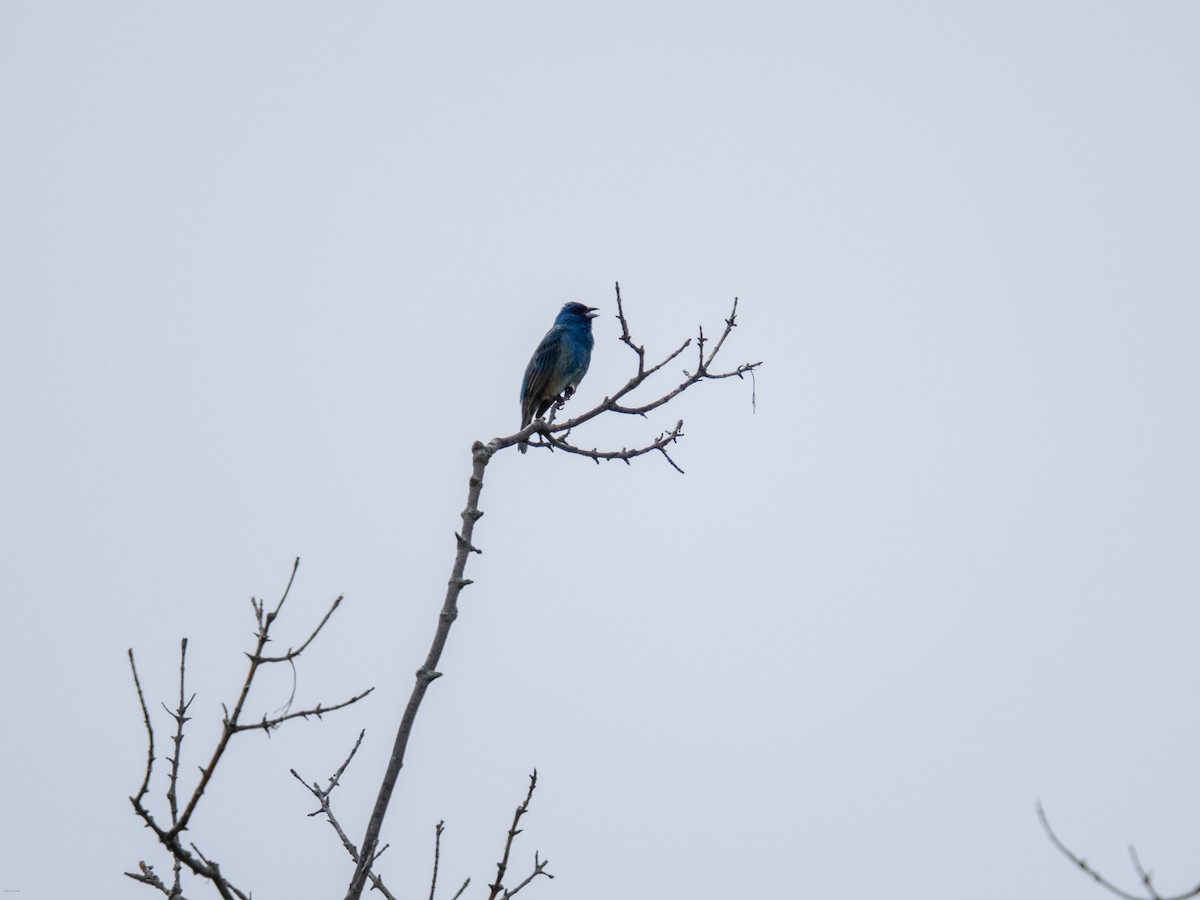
(268,271)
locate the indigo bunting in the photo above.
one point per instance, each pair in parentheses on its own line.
(558,364)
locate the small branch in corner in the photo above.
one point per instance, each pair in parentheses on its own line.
(1144,876)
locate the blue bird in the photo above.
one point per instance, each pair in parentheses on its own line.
(558,364)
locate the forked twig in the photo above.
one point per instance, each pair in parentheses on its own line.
(539,865)
(170,835)
(326,809)
(1143,875)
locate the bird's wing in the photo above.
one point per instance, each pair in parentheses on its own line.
(540,372)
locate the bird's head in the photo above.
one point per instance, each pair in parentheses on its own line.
(573,312)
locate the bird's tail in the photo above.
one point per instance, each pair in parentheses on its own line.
(523,447)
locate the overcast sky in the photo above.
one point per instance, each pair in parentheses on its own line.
(269,269)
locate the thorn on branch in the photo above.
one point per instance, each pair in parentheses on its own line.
(462,542)
(147,876)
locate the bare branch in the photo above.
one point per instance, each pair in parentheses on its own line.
(287,590)
(626,337)
(180,717)
(437,856)
(318,711)
(513,831)
(1100,879)
(730,324)
(146,875)
(336,778)
(292,654)
(169,836)
(203,867)
(224,888)
(1143,874)
(322,795)
(625,455)
(323,798)
(427,674)
(149,733)
(539,868)
(231,721)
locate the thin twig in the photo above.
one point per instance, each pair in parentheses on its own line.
(224,888)
(513,831)
(180,717)
(231,721)
(625,455)
(730,324)
(149,732)
(292,654)
(146,875)
(1100,879)
(318,711)
(326,809)
(1143,874)
(626,338)
(336,778)
(437,855)
(539,868)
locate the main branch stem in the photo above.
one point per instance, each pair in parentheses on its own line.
(480,456)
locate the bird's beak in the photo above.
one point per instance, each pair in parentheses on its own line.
(592,312)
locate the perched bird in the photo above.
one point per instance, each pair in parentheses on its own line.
(559,363)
